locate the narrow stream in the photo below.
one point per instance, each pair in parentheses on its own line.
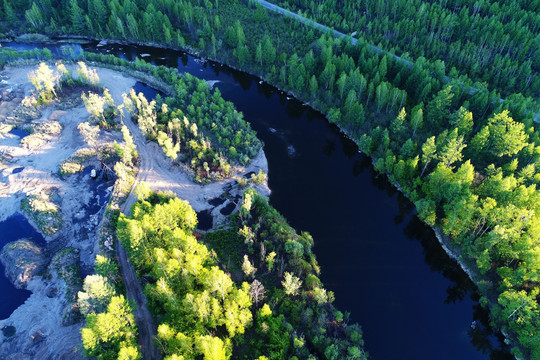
(384,265)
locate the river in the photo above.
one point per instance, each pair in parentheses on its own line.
(383,264)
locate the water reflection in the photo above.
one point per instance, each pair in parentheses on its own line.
(14,228)
(408,293)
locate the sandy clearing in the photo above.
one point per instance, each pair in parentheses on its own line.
(41,165)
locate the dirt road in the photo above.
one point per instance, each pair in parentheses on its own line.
(117,84)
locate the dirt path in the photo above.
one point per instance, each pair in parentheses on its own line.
(143,317)
(116,83)
(145,322)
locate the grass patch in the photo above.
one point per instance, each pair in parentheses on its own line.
(45,213)
(229,247)
(75,163)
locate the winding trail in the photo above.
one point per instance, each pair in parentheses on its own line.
(143,317)
(117,83)
(157,170)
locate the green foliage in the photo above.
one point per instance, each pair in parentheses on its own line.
(96,294)
(101,108)
(291,284)
(502,136)
(142,191)
(87,76)
(216,136)
(111,332)
(107,268)
(44,211)
(259,178)
(45,81)
(285,262)
(470,166)
(192,296)
(456,33)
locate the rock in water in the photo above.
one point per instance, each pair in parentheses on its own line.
(22,259)
(93,173)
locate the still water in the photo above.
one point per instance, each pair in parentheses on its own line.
(12,229)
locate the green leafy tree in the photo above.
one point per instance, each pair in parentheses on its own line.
(502,136)
(429,149)
(44,80)
(96,294)
(106,333)
(291,284)
(248,268)
(451,152)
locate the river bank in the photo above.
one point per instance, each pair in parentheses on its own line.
(76,199)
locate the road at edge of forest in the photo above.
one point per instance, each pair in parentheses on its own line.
(375,49)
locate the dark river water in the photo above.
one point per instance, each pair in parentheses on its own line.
(383,264)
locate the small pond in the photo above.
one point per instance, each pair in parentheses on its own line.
(12,229)
(20,133)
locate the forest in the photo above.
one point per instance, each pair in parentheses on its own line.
(253,287)
(491,41)
(454,127)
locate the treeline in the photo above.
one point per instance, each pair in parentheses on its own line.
(267,304)
(469,166)
(492,41)
(8,55)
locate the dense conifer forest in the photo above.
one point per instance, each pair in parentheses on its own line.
(454,125)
